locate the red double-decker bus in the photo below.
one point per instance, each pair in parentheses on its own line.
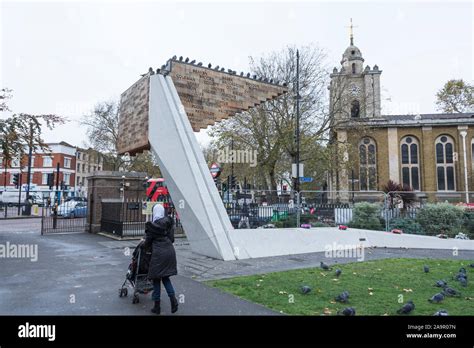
(156,191)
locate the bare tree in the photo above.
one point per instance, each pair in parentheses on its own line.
(270,128)
(102,130)
(5,94)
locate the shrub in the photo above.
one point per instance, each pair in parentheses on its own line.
(441,218)
(469,223)
(409,226)
(367,216)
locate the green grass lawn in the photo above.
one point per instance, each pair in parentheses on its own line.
(375,288)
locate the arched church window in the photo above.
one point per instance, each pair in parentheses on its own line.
(353,68)
(445,170)
(409,147)
(367,165)
(355,109)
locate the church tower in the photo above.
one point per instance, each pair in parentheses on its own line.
(355,90)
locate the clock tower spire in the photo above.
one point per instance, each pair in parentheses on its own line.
(355,90)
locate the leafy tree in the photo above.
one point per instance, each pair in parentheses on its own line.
(456,96)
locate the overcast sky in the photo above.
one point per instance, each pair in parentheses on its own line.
(63,57)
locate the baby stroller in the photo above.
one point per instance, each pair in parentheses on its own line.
(137,274)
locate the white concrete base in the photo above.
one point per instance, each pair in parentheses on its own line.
(289,241)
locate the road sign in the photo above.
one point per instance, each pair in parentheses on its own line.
(306,179)
(215,170)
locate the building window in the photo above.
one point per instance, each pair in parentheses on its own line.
(67,162)
(78,180)
(44,179)
(67,178)
(355,108)
(47,161)
(367,165)
(78,167)
(445,171)
(353,68)
(410,162)
(15,163)
(83,167)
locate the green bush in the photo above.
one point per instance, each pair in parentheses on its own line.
(367,216)
(469,223)
(407,225)
(441,218)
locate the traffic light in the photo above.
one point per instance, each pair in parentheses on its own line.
(50,180)
(16,179)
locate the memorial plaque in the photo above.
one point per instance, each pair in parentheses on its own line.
(208,96)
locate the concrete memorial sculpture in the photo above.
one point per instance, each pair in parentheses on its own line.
(161,111)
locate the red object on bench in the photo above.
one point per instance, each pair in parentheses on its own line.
(397,231)
(342,227)
(305,226)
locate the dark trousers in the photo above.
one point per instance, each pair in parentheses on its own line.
(157,288)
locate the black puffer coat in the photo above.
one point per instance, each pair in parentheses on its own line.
(160,238)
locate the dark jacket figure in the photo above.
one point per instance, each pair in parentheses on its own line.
(160,238)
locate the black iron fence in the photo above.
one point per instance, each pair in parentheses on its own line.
(127,219)
(65,217)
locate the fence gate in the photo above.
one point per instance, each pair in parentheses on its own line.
(67,217)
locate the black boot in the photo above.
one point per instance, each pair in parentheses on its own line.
(174,304)
(156,309)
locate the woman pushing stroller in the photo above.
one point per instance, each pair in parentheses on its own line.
(159,238)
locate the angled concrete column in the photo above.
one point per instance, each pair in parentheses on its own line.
(186,173)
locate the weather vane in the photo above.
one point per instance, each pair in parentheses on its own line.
(351,32)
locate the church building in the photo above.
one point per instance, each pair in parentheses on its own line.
(428,152)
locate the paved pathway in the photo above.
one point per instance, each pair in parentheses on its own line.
(81,274)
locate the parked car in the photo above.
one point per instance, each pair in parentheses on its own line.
(72,209)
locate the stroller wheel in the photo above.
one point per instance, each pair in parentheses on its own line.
(123,292)
(136,299)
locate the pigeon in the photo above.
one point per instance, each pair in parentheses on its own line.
(463,282)
(338,272)
(460,276)
(426,269)
(462,270)
(248,75)
(348,312)
(193,61)
(199,64)
(450,291)
(407,308)
(217,67)
(471,265)
(441,283)
(441,313)
(305,289)
(186,60)
(344,297)
(209,65)
(437,298)
(174,58)
(324,266)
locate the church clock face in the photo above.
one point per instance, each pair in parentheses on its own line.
(355,90)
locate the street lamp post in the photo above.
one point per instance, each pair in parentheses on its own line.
(297,185)
(466,182)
